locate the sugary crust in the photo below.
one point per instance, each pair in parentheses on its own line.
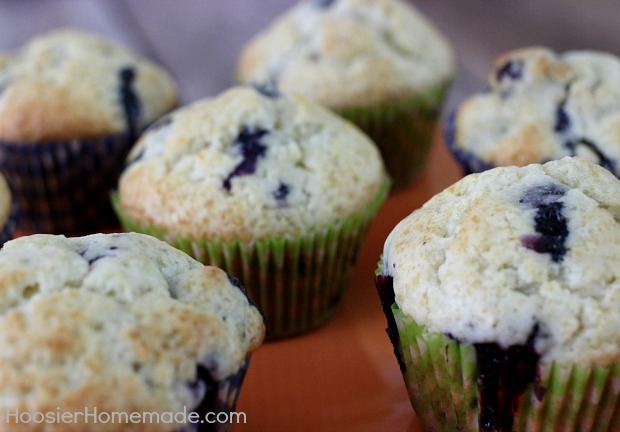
(315,169)
(115,322)
(541,105)
(462,264)
(66,84)
(350,53)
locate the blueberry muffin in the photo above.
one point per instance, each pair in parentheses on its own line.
(502,296)
(541,106)
(118,323)
(277,190)
(8,213)
(379,63)
(71,106)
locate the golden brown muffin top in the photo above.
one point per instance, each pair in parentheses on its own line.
(71,84)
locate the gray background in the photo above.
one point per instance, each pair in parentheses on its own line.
(198,40)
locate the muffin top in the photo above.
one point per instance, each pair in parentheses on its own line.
(345,53)
(71,84)
(542,106)
(513,255)
(121,322)
(249,164)
(5,201)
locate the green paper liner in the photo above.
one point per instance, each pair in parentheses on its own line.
(441,379)
(296,282)
(402,130)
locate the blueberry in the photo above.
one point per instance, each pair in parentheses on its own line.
(562,120)
(129,100)
(235,282)
(512,69)
(549,221)
(603,160)
(543,194)
(281,192)
(248,142)
(93,257)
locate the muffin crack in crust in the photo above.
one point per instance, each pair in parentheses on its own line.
(512,249)
(119,322)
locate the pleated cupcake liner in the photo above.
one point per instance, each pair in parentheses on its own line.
(442,379)
(64,187)
(220,399)
(296,282)
(403,130)
(7,232)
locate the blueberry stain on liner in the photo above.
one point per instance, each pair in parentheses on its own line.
(503,376)
(385,289)
(219,397)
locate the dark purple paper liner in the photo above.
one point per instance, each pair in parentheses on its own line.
(221,397)
(64,187)
(8,230)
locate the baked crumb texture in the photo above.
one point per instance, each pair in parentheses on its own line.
(249,164)
(517,257)
(541,106)
(349,53)
(70,84)
(116,322)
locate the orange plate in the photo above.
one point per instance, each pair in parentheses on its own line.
(343,376)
